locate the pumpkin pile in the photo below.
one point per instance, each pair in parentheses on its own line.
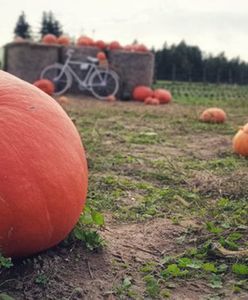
(86,41)
(148,96)
(43,170)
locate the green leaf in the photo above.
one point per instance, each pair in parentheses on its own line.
(98,218)
(212,228)
(209,267)
(127,282)
(184,262)
(216,282)
(174,271)
(240,269)
(5,262)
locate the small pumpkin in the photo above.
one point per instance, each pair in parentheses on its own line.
(213,115)
(163,95)
(240,141)
(140,93)
(140,48)
(85,41)
(43,170)
(45,85)
(63,40)
(49,39)
(111,98)
(101,56)
(115,45)
(100,44)
(151,101)
(63,100)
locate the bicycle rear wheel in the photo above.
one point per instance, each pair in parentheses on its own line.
(104,83)
(61,79)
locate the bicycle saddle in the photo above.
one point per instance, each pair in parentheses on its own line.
(92,59)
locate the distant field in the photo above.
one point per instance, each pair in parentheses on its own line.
(201,93)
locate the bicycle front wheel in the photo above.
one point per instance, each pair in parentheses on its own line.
(104,83)
(61,79)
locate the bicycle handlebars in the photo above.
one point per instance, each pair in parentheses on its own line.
(69,52)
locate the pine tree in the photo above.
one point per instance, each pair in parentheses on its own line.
(22,28)
(50,25)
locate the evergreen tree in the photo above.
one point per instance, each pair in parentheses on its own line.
(50,25)
(22,28)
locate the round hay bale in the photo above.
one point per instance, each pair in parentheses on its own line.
(133,68)
(27,60)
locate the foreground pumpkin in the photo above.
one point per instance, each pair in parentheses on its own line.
(45,85)
(163,96)
(43,170)
(213,115)
(140,93)
(240,141)
(49,39)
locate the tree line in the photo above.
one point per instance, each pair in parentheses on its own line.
(183,62)
(179,62)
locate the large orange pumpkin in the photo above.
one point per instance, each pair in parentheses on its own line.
(64,40)
(163,96)
(43,170)
(213,115)
(140,93)
(45,85)
(85,41)
(49,39)
(240,141)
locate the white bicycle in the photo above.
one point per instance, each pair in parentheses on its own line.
(101,82)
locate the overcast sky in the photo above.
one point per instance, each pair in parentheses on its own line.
(213,25)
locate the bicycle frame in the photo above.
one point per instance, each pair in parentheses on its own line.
(90,67)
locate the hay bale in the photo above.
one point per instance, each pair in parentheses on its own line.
(134,68)
(80,54)
(26,60)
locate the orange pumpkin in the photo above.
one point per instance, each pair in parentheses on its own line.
(111,98)
(43,170)
(140,48)
(129,48)
(63,100)
(85,41)
(101,55)
(240,141)
(140,93)
(163,96)
(100,44)
(49,39)
(213,115)
(115,45)
(64,40)
(151,101)
(45,85)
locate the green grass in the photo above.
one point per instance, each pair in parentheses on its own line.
(162,162)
